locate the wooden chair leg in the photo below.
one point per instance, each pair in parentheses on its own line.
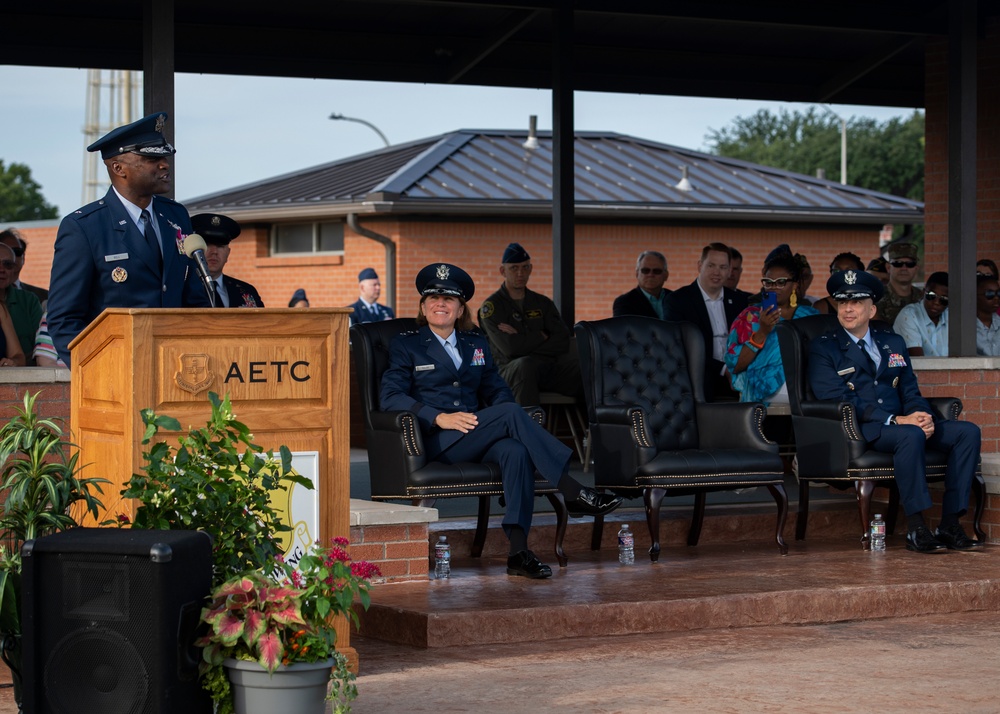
(979,491)
(781,499)
(865,489)
(597,533)
(558,502)
(697,518)
(802,518)
(652,498)
(482,526)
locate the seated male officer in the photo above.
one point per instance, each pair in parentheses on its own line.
(218,231)
(530,341)
(870,368)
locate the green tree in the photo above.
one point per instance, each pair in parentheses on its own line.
(21,197)
(887,156)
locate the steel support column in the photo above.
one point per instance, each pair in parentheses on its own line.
(563,165)
(158,65)
(962,128)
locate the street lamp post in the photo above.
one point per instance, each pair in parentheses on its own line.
(341,117)
(843,145)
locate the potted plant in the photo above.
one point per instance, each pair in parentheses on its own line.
(216,480)
(42,485)
(272,632)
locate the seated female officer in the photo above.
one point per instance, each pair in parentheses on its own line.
(443,375)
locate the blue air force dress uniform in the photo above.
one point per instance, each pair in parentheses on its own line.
(879,382)
(423,378)
(363,312)
(102,258)
(217,229)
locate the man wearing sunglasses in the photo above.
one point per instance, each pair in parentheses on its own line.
(924,325)
(13,240)
(648,297)
(901,264)
(870,369)
(987,319)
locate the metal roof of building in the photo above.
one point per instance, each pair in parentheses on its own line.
(490,172)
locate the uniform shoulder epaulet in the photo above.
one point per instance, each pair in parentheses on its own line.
(90,208)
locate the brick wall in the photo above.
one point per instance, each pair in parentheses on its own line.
(987,149)
(400,551)
(979,390)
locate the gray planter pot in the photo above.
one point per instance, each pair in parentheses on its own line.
(299,688)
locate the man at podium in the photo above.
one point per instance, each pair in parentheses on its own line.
(126,249)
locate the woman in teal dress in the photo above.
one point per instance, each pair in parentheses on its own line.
(752,354)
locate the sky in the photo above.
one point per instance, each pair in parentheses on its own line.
(231,131)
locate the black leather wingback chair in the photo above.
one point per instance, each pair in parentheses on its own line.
(397,460)
(829,444)
(652,430)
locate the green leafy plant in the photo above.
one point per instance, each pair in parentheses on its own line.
(285,616)
(42,485)
(216,480)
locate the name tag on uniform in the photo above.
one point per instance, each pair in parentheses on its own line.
(114,257)
(845,372)
(423,367)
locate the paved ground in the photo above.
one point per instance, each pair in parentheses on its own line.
(941,663)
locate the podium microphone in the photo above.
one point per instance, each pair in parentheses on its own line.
(194,248)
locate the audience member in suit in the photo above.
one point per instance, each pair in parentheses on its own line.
(648,297)
(711,307)
(126,249)
(15,241)
(735,272)
(366,308)
(218,231)
(444,373)
(870,368)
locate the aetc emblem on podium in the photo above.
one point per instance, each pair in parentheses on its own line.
(194,373)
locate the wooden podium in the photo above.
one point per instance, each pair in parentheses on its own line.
(286,371)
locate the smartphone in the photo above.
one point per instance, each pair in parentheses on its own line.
(768,300)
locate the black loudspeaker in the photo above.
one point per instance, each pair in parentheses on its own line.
(109,619)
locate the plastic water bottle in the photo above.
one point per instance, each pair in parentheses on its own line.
(878,533)
(442,559)
(626,546)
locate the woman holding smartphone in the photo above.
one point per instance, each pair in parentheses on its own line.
(752,354)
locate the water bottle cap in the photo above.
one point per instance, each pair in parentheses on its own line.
(878,515)
(442,539)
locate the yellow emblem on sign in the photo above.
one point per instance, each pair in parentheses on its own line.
(194,373)
(119,275)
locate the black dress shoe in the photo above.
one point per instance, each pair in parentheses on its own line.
(922,540)
(954,537)
(592,503)
(525,563)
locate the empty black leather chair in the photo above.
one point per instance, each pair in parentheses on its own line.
(652,430)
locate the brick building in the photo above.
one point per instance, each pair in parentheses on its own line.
(463,196)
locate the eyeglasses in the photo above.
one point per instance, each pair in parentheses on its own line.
(991,294)
(903,263)
(985,275)
(9,264)
(653,271)
(776,283)
(928,296)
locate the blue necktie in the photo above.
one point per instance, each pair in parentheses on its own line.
(150,234)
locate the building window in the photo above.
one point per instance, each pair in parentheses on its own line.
(307,238)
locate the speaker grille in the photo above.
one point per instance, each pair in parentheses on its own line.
(96,669)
